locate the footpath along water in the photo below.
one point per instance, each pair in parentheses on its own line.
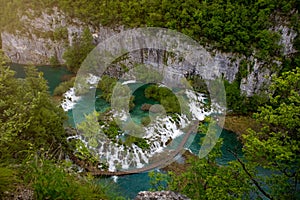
(130,185)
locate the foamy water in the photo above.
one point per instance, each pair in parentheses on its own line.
(128,82)
(158,134)
(69,99)
(93,80)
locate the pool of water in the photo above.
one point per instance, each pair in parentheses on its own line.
(130,185)
(53,75)
(139,99)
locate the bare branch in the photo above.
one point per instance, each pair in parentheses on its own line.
(250,176)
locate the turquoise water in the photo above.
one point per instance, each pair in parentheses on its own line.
(229,141)
(54,75)
(130,185)
(100,105)
(139,99)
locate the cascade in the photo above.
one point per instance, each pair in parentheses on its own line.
(158,134)
(70,99)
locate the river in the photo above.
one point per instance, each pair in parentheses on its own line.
(130,185)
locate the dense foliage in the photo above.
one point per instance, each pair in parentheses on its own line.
(52,181)
(270,166)
(28,116)
(239,103)
(106,85)
(276,147)
(165,96)
(109,86)
(7,179)
(31,124)
(235,26)
(242,27)
(80,48)
(33,142)
(64,87)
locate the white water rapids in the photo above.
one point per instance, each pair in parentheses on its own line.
(158,134)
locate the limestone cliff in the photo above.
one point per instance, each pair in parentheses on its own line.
(46,36)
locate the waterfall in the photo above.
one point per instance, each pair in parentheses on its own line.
(158,134)
(93,80)
(128,82)
(196,104)
(70,99)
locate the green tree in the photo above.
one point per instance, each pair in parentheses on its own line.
(271,164)
(165,96)
(64,87)
(81,47)
(235,100)
(276,147)
(29,118)
(206,179)
(90,129)
(106,85)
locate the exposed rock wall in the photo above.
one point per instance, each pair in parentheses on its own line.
(258,77)
(36,44)
(30,49)
(287,37)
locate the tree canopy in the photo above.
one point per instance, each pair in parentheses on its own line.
(243,27)
(29,119)
(276,148)
(81,46)
(33,142)
(270,165)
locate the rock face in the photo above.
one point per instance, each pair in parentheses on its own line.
(21,49)
(161,195)
(287,37)
(46,36)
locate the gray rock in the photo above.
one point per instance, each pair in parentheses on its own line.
(35,46)
(160,195)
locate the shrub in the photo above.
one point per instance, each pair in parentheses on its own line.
(52,181)
(146,121)
(7,179)
(63,87)
(165,96)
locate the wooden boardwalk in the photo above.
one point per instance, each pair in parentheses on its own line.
(166,160)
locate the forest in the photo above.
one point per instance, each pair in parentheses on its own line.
(34,149)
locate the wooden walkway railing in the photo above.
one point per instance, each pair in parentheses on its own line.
(166,160)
